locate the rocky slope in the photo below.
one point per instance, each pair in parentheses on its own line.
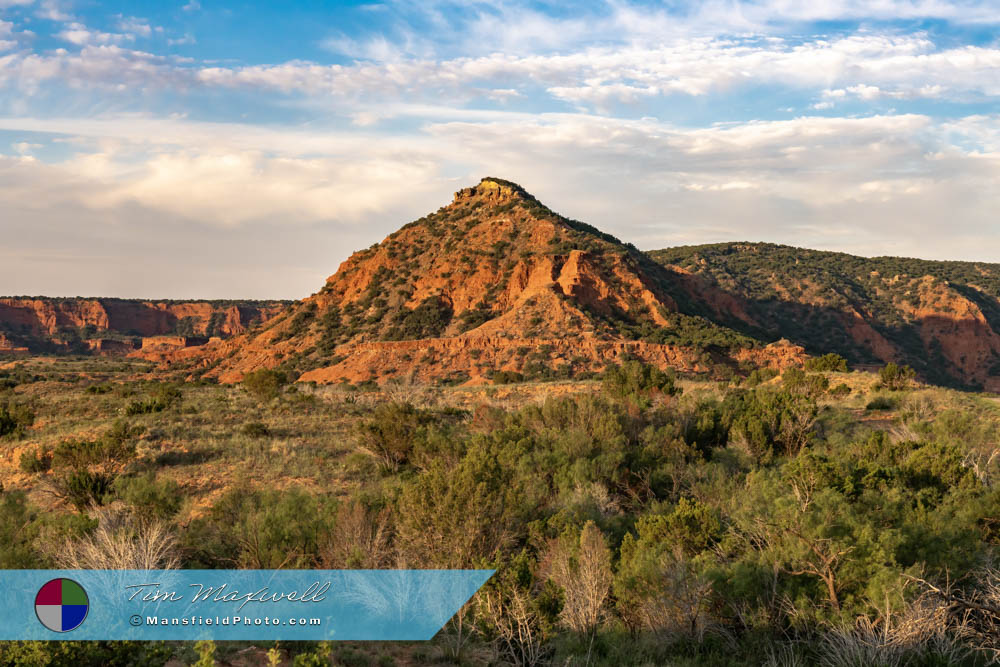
(942,318)
(493,282)
(496,282)
(44,324)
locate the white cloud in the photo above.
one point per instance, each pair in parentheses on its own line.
(81,35)
(865,67)
(870,185)
(147,185)
(135,26)
(25,148)
(52,10)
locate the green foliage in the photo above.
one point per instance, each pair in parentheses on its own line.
(15,418)
(635,378)
(87,469)
(206,653)
(162,396)
(896,378)
(18,528)
(149,497)
(459,516)
(830,361)
(111,452)
(84,653)
(392,434)
(82,488)
(841,390)
(265,384)
(18,375)
(881,402)
(796,381)
(759,376)
(772,422)
(428,320)
(507,377)
(319,657)
(35,461)
(690,331)
(259,529)
(255,430)
(472,318)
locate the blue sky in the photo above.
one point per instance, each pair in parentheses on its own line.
(216,149)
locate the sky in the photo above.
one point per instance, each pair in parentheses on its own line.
(203,149)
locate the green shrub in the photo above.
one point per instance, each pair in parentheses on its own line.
(896,378)
(842,389)
(82,488)
(390,436)
(507,377)
(84,653)
(759,376)
(772,422)
(163,396)
(828,362)
(111,452)
(35,460)
(881,402)
(265,384)
(255,430)
(259,529)
(474,317)
(428,320)
(18,529)
(634,378)
(15,418)
(149,497)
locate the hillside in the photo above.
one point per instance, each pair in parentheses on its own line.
(116,326)
(942,318)
(493,282)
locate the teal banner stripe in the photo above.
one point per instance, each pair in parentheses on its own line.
(398,605)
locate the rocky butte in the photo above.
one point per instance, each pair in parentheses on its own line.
(496,282)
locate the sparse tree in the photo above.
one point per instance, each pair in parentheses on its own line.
(583,571)
(120,542)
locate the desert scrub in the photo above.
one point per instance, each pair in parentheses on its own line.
(15,419)
(265,384)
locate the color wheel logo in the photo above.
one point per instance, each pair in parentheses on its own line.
(61,605)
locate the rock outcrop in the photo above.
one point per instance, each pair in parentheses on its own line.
(493,282)
(941,318)
(114,326)
(496,282)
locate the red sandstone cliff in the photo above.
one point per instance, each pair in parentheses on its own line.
(43,323)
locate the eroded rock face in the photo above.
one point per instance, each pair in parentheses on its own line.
(495,281)
(942,318)
(47,323)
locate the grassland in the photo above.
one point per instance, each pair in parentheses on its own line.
(637,519)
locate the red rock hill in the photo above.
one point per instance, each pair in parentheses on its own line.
(495,281)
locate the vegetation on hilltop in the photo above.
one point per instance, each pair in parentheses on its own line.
(817,298)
